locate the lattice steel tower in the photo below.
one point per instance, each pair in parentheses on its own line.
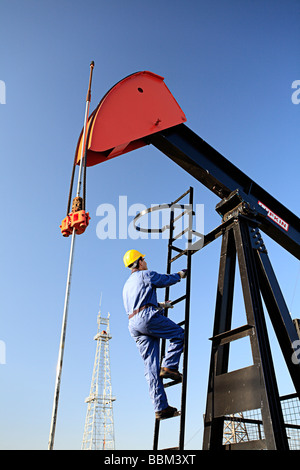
(235,430)
(99,424)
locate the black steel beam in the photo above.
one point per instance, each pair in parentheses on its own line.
(213,425)
(219,175)
(272,416)
(279,315)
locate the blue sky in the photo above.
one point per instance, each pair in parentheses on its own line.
(230,65)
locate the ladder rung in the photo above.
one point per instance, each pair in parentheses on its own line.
(172,382)
(175,248)
(180,233)
(182,252)
(174,302)
(168,417)
(171,448)
(181,197)
(186,211)
(232,335)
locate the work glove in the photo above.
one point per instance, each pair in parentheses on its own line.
(166,304)
(183,273)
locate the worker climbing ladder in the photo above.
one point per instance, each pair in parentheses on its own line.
(185,323)
(186,210)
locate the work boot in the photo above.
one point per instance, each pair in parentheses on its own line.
(168,412)
(166,373)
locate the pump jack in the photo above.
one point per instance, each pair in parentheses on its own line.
(140,110)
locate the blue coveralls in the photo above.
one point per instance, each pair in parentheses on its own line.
(149,325)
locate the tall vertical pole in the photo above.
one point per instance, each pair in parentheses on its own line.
(68,285)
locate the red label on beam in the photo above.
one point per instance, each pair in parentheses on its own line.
(275,217)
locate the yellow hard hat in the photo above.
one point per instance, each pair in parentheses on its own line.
(131,256)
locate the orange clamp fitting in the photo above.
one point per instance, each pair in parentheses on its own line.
(79,221)
(65,226)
